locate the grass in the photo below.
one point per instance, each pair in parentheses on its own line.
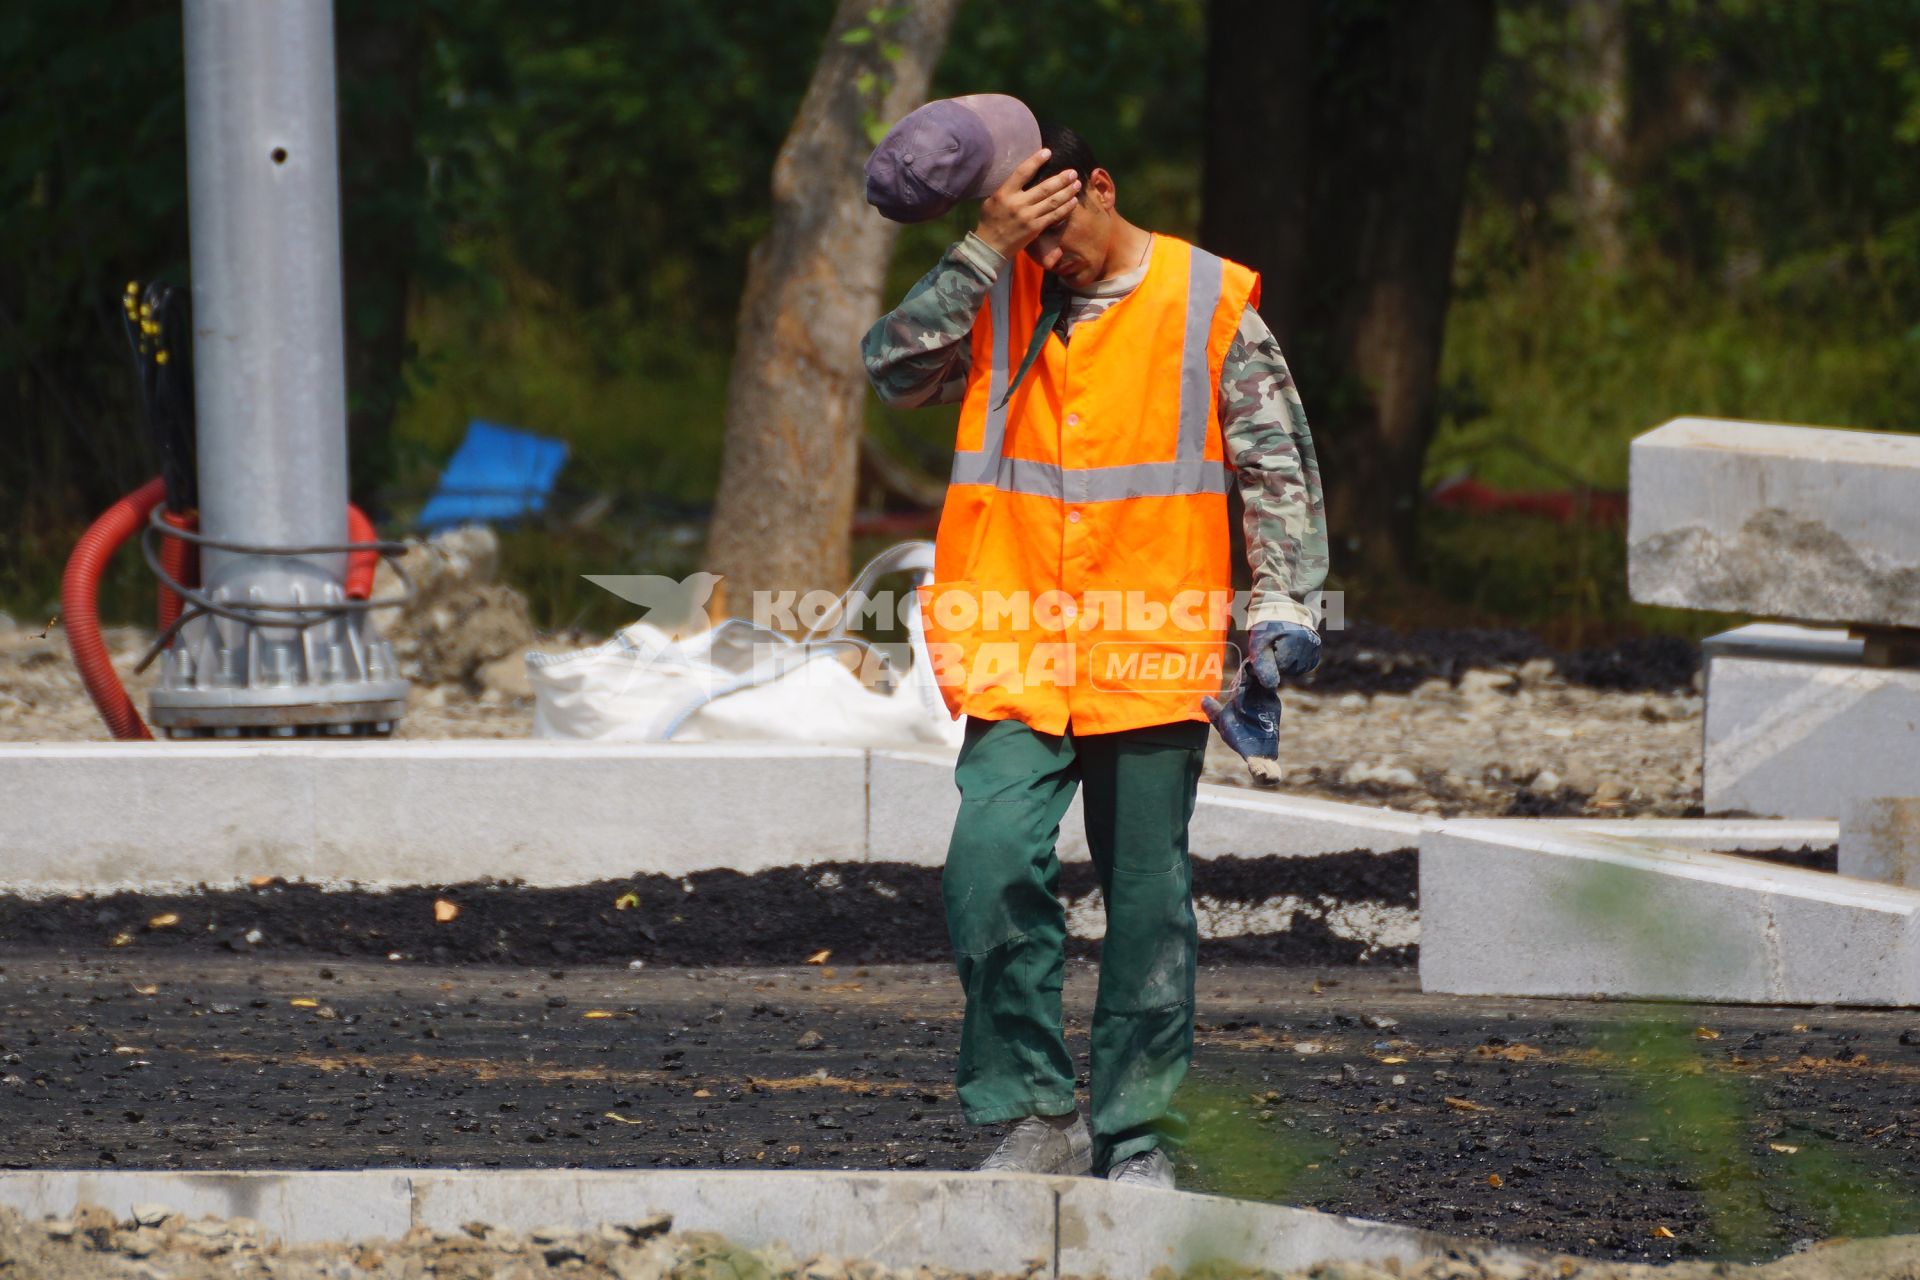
(641,407)
(1552,368)
(1550,372)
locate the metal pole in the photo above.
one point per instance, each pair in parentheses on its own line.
(269,380)
(269,336)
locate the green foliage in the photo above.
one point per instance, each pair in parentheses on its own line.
(1793,139)
(609,329)
(619,153)
(874,85)
(639,405)
(1576,364)
(92,194)
(1762,138)
(1772,273)
(590,179)
(1552,368)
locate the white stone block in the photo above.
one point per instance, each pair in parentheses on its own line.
(900,1220)
(1240,821)
(299,1207)
(1806,523)
(1785,642)
(100,815)
(911,805)
(1126,1231)
(175,814)
(1799,739)
(1510,908)
(1004,1224)
(913,802)
(564,813)
(1708,835)
(1880,840)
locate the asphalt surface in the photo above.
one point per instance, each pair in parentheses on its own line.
(1641,1131)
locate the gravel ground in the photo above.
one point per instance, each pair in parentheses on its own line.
(1521,740)
(157,1245)
(1508,736)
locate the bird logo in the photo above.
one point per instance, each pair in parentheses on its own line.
(677,606)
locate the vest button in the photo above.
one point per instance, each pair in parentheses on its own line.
(1073,419)
(1073,517)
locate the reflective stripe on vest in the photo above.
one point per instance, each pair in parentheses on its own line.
(1191,471)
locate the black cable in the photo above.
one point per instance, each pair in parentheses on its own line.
(385,546)
(257,613)
(159,327)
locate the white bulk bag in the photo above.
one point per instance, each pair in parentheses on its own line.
(739,682)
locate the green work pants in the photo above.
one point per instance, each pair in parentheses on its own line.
(1009,929)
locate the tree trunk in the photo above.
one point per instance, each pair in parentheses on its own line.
(796,400)
(1360,166)
(1253,200)
(1597,134)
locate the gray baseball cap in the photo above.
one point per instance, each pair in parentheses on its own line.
(947,151)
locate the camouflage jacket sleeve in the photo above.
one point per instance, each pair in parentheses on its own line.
(1271,451)
(919,352)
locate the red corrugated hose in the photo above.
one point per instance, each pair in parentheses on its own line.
(80,605)
(80,591)
(182,565)
(360,564)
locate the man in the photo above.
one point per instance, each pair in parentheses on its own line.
(1109,377)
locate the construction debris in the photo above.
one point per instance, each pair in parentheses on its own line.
(462,627)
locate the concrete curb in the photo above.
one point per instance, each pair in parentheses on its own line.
(157,816)
(166,816)
(1509,908)
(1071,1226)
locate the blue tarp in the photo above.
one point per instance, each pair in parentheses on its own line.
(497,473)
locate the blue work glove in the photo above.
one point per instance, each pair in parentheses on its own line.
(1276,649)
(1249,722)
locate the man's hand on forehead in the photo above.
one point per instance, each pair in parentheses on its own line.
(1014,216)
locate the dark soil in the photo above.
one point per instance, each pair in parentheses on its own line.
(1556,1123)
(1364,658)
(872,913)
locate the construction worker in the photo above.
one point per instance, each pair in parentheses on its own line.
(1112,382)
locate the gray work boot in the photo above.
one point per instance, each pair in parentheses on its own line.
(1148,1169)
(1044,1144)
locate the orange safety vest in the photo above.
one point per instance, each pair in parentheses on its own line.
(1081,570)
